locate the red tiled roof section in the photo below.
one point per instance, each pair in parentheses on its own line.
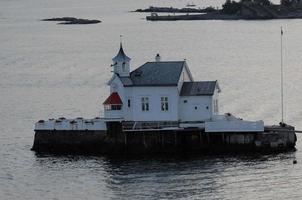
(113,99)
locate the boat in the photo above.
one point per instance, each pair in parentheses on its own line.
(190,5)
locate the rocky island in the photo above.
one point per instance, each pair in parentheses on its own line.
(73,20)
(243,9)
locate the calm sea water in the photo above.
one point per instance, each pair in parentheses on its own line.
(49,70)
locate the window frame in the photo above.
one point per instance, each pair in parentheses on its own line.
(129,103)
(123,67)
(116,107)
(164,103)
(109,107)
(145,105)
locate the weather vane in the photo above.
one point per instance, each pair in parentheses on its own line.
(121,36)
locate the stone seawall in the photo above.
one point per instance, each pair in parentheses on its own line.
(159,142)
(65,141)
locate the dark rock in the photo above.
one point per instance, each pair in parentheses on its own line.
(177,10)
(73,20)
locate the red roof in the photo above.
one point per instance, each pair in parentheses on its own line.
(113,99)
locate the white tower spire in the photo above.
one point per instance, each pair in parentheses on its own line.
(121,62)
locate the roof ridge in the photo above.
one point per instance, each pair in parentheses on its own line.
(198,81)
(165,61)
(155,62)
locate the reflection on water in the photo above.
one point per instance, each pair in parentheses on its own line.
(211,177)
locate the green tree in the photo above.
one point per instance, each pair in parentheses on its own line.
(231,7)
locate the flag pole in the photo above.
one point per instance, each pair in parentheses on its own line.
(281,69)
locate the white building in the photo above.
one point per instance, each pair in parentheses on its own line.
(158,91)
(156,95)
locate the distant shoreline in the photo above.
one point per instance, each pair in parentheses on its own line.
(231,10)
(212,16)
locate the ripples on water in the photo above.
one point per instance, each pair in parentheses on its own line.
(208,177)
(48,71)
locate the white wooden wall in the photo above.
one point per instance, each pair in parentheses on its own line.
(197,108)
(154,94)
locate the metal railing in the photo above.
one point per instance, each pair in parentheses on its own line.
(148,125)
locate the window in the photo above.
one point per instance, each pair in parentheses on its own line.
(113,107)
(116,107)
(164,104)
(107,107)
(129,103)
(145,103)
(124,66)
(216,105)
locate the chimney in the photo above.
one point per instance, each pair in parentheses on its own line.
(157,58)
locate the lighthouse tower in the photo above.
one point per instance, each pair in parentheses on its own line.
(121,63)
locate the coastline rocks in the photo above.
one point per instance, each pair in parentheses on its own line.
(72,20)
